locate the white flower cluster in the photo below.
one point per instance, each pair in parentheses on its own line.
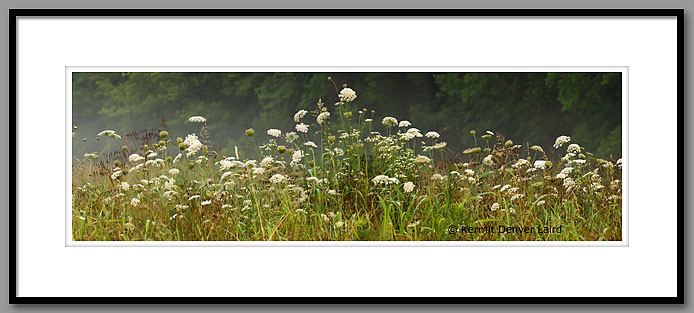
(521,163)
(437,176)
(135,158)
(296,158)
(540,164)
(422,159)
(109,133)
(274,132)
(573,148)
(561,140)
(299,115)
(568,183)
(488,160)
(347,95)
(384,180)
(408,187)
(278,178)
(117,173)
(389,121)
(301,127)
(193,144)
(322,118)
(197,119)
(432,134)
(565,172)
(291,136)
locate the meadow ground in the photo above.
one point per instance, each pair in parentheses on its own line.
(335,178)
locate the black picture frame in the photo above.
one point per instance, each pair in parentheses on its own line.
(678,13)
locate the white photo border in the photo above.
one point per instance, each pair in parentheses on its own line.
(647,45)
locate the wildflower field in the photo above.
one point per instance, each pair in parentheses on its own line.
(343,174)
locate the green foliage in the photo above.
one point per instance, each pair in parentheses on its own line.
(338,178)
(531,107)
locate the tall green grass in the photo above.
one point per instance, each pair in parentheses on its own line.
(343,180)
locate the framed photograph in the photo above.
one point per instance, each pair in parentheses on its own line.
(347,156)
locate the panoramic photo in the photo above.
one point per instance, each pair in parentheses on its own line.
(346,156)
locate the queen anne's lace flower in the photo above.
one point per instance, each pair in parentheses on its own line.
(404,124)
(322,118)
(540,164)
(124,185)
(432,134)
(422,159)
(291,136)
(297,155)
(197,119)
(408,187)
(573,148)
(274,132)
(347,95)
(193,144)
(488,160)
(521,163)
(565,172)
(116,174)
(301,127)
(384,180)
(561,140)
(267,161)
(568,182)
(278,178)
(299,115)
(389,121)
(135,158)
(414,132)
(109,133)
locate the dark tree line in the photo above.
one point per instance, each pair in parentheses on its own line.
(524,107)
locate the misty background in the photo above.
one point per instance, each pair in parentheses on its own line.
(532,108)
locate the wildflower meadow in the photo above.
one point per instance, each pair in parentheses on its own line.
(344,172)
